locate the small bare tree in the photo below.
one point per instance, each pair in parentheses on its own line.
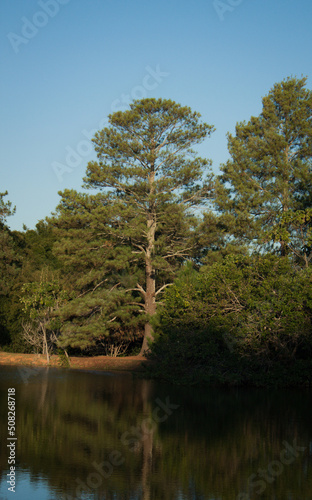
(33,336)
(116,350)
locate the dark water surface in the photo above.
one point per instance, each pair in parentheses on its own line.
(83,435)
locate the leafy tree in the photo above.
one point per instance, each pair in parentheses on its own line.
(8,255)
(10,263)
(239,317)
(135,232)
(41,299)
(295,230)
(33,252)
(37,245)
(269,176)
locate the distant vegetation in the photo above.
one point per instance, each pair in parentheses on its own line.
(210,273)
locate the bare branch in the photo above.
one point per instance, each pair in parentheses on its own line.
(91,290)
(179,253)
(141,290)
(140,247)
(162,288)
(111,320)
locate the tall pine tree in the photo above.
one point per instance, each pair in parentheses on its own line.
(265,188)
(135,233)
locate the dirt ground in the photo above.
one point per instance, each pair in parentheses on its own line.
(105,363)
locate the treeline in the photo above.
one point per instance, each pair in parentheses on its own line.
(211,272)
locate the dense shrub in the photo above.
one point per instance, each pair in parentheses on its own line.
(242,320)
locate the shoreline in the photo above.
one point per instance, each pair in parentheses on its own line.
(96,363)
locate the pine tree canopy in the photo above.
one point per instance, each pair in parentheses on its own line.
(269,176)
(125,243)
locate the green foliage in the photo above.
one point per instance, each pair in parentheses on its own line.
(294,229)
(244,314)
(11,318)
(239,320)
(63,358)
(33,251)
(41,299)
(212,241)
(269,172)
(9,258)
(96,270)
(37,247)
(10,267)
(122,246)
(5,208)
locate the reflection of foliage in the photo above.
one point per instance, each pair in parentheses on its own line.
(205,449)
(74,430)
(224,436)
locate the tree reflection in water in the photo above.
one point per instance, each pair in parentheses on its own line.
(207,448)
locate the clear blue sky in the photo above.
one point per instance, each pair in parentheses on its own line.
(67,64)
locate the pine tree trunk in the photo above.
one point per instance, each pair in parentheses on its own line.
(150,298)
(150,304)
(150,309)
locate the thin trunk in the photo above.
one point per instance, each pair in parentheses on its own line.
(284,251)
(45,343)
(67,357)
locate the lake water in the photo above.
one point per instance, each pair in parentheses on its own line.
(83,435)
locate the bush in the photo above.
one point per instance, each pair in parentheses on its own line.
(242,320)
